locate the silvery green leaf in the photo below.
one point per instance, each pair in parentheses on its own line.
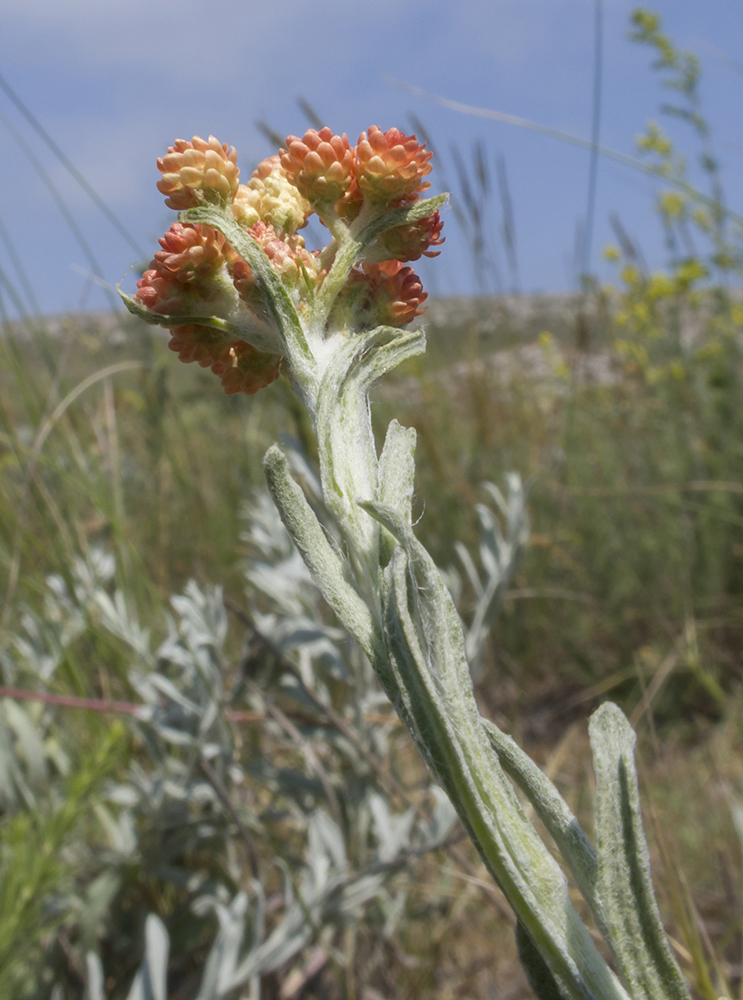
(116,616)
(396,476)
(537,971)
(444,817)
(222,973)
(164,686)
(325,565)
(120,830)
(29,743)
(470,569)
(97,568)
(393,909)
(393,832)
(499,557)
(300,634)
(624,886)
(399,217)
(324,835)
(96,902)
(265,533)
(356,894)
(150,981)
(397,471)
(574,846)
(446,719)
(203,613)
(94,977)
(301,468)
(287,582)
(351,247)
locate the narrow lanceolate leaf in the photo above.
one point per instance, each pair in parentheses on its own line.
(624,886)
(574,846)
(230,331)
(150,983)
(276,296)
(426,646)
(395,480)
(326,567)
(397,471)
(537,971)
(399,217)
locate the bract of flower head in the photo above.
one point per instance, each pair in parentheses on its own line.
(319,164)
(288,255)
(191,253)
(243,368)
(298,268)
(413,241)
(269,196)
(390,166)
(349,206)
(198,171)
(249,290)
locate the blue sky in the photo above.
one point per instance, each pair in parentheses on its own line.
(115,83)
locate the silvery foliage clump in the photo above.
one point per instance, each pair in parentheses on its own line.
(188,792)
(504,531)
(387,591)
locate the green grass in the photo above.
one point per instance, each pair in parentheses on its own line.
(633,571)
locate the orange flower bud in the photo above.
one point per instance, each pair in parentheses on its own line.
(162,293)
(243,368)
(412,241)
(191,253)
(385,293)
(390,166)
(197,343)
(319,164)
(198,171)
(400,297)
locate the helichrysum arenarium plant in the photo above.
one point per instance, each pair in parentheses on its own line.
(240,292)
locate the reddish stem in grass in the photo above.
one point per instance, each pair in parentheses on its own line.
(131,708)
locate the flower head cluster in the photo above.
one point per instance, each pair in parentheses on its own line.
(219,306)
(384,169)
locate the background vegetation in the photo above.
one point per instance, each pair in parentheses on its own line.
(264,808)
